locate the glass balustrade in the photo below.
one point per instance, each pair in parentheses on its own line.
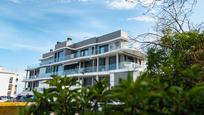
(101,68)
(88,69)
(77,55)
(71,71)
(112,66)
(44,62)
(129,65)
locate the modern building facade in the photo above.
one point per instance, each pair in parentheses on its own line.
(8,83)
(108,56)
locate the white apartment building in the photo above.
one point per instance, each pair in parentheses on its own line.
(106,56)
(8,81)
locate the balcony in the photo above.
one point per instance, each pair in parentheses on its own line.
(77,55)
(47,61)
(130,66)
(101,68)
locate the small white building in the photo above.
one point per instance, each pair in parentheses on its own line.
(8,82)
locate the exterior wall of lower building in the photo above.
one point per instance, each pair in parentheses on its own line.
(4,85)
(121,76)
(113,80)
(8,84)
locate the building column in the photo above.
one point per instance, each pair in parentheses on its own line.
(34,73)
(97,68)
(93,68)
(25,86)
(117,61)
(26,74)
(106,63)
(79,67)
(112,81)
(97,78)
(80,82)
(97,64)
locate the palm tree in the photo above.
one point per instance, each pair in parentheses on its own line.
(100,92)
(84,99)
(64,94)
(42,103)
(130,94)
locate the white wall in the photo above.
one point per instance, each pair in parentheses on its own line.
(4,83)
(4,80)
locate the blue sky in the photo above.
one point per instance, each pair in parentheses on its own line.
(29,28)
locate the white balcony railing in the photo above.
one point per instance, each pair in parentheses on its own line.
(102,68)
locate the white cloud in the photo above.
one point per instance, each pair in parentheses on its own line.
(16,1)
(147,2)
(69,1)
(121,4)
(62,1)
(19,40)
(141,18)
(127,4)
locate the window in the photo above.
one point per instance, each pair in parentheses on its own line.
(59,56)
(93,50)
(111,46)
(103,49)
(112,62)
(129,59)
(88,66)
(140,62)
(136,60)
(84,52)
(11,80)
(96,49)
(76,54)
(48,69)
(117,44)
(9,93)
(102,62)
(10,87)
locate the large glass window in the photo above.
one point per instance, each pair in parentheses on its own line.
(84,52)
(59,56)
(48,69)
(58,68)
(103,49)
(102,64)
(88,66)
(117,44)
(92,50)
(112,63)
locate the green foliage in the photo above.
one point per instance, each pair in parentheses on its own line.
(63,95)
(172,84)
(195,101)
(100,92)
